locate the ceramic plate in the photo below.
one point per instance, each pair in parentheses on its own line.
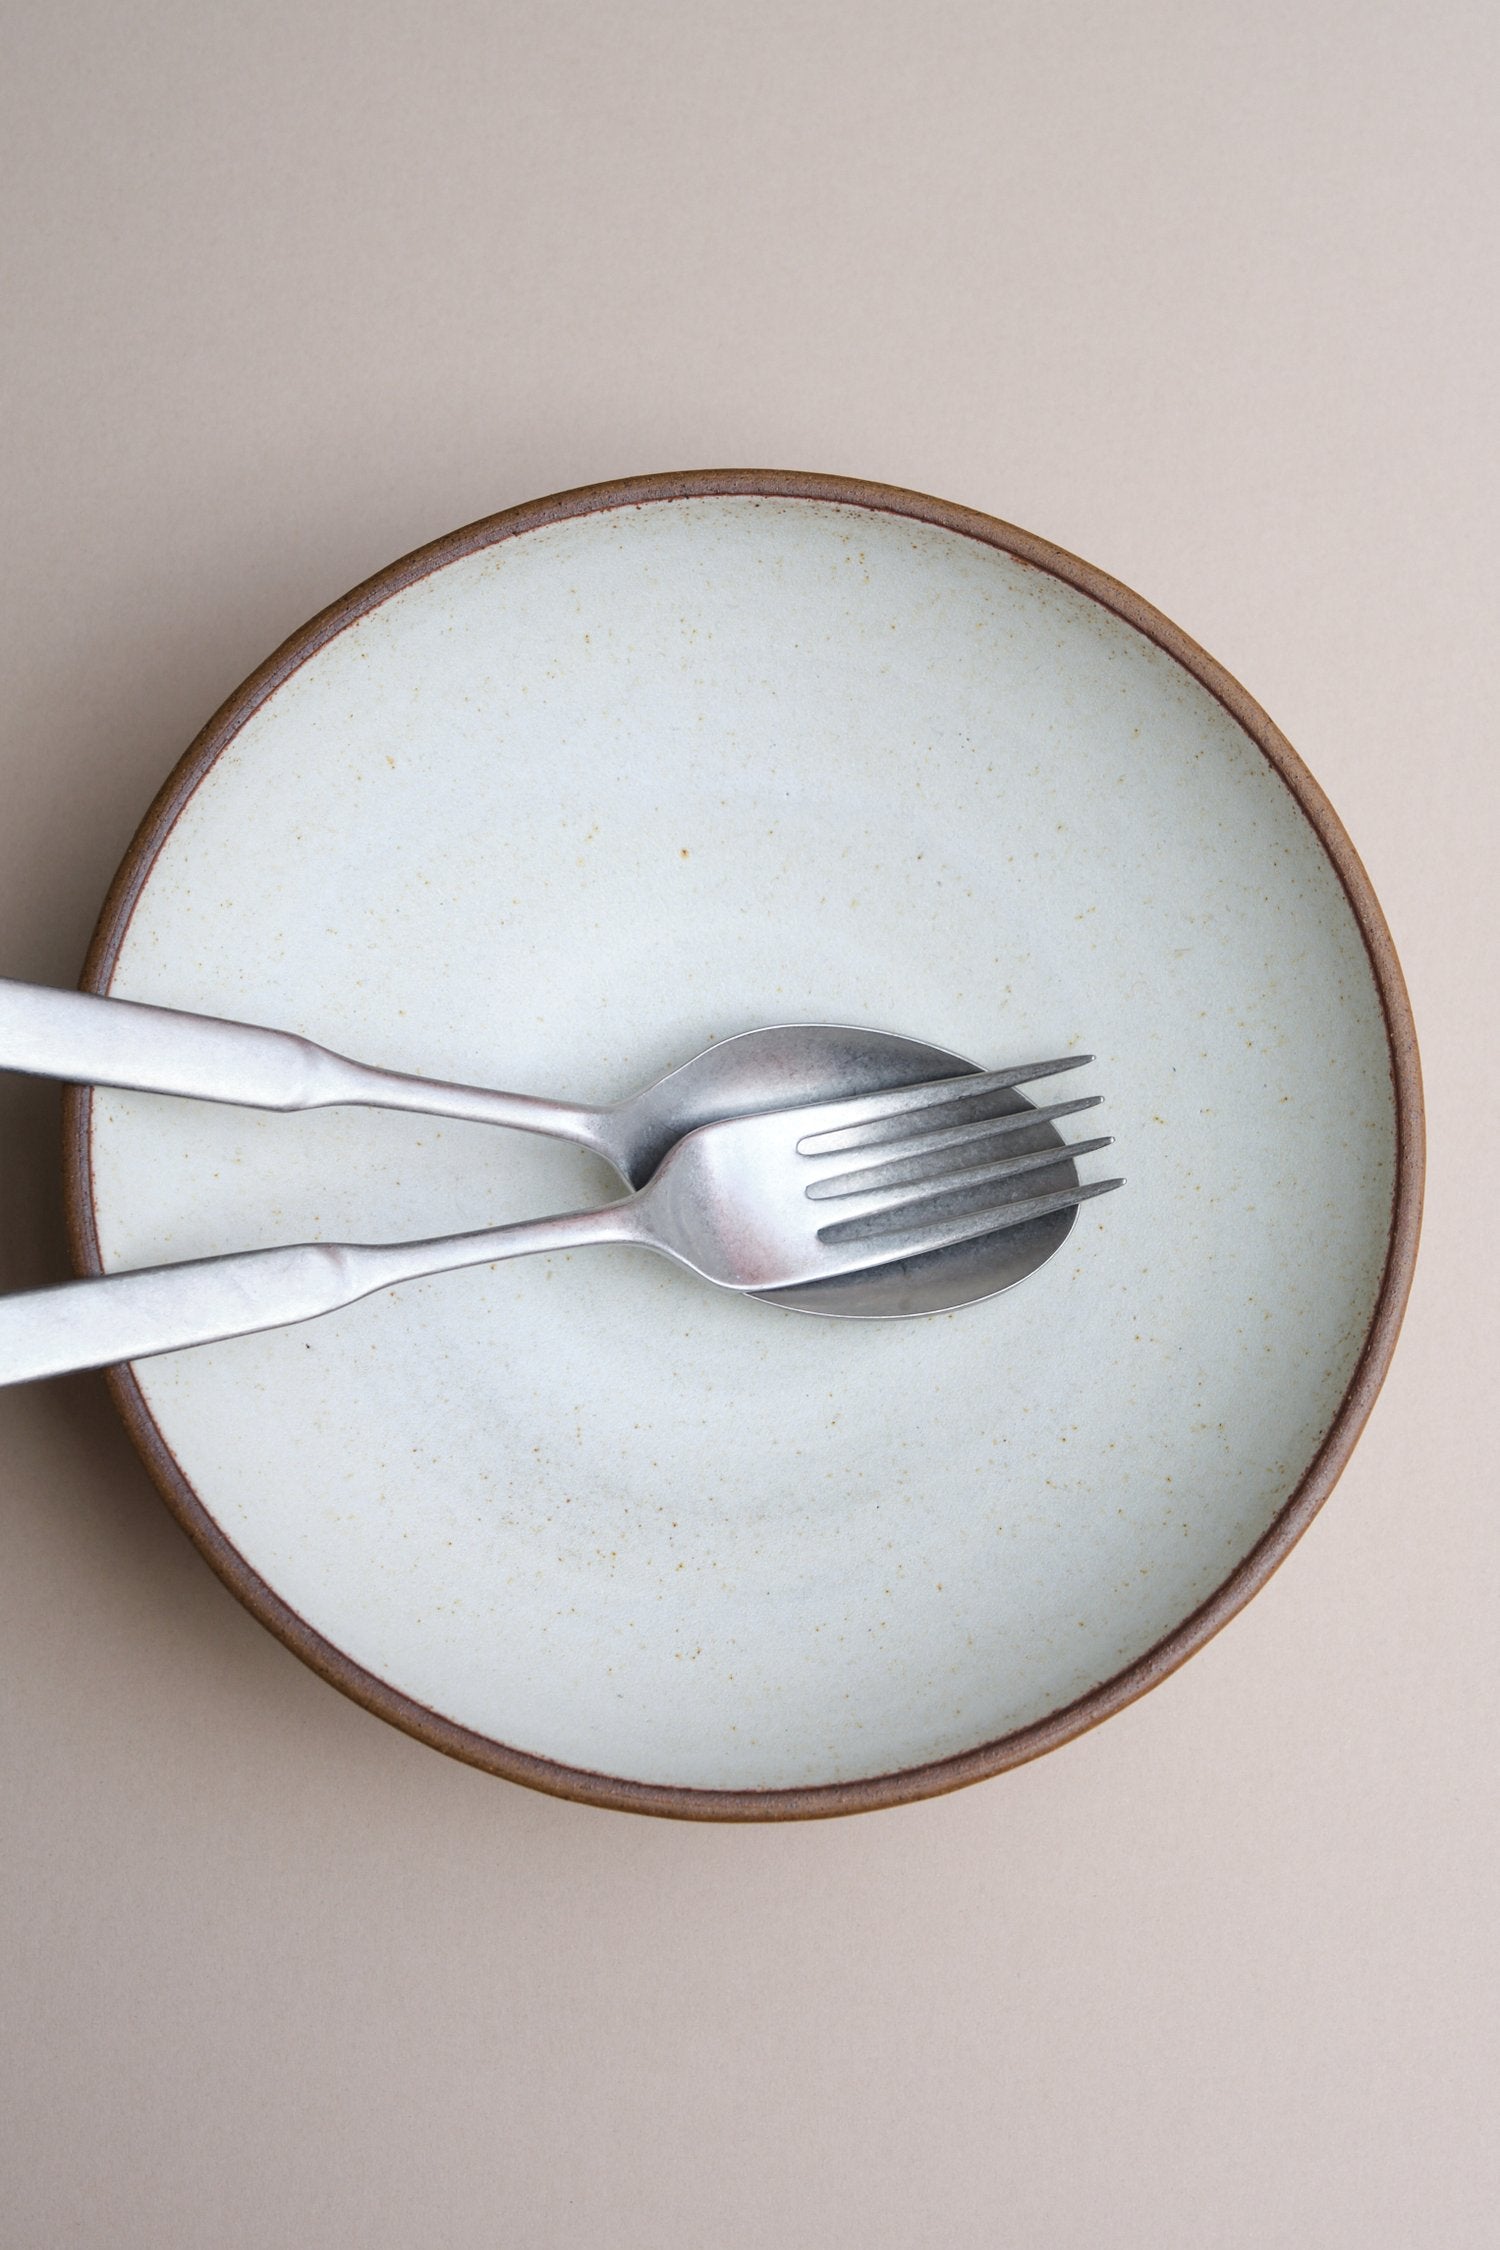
(551,805)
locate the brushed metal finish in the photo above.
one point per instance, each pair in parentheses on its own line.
(90,1039)
(750,1203)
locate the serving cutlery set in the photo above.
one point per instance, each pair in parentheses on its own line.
(731,1175)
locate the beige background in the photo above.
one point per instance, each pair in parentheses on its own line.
(1205,293)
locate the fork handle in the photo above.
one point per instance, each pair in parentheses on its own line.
(89,1040)
(165,1308)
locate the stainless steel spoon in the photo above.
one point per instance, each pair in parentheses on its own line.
(752,1203)
(91,1040)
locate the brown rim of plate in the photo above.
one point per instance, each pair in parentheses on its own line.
(1101,1701)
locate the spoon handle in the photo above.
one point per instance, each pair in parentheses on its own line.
(92,1041)
(203,1300)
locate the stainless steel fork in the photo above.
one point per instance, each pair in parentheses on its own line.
(750,1203)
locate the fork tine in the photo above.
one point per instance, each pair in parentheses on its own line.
(860,1119)
(863,1195)
(887,1155)
(853,1254)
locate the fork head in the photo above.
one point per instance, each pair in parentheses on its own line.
(801,1195)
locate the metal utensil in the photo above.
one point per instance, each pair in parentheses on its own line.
(752,1203)
(94,1041)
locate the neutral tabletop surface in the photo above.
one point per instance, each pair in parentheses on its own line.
(1205,294)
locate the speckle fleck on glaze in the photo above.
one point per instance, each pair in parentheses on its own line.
(553,818)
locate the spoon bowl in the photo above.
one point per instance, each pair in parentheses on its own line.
(795,1064)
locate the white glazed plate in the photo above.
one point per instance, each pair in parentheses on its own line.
(552,805)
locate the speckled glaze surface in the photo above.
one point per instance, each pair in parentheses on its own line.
(550,807)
